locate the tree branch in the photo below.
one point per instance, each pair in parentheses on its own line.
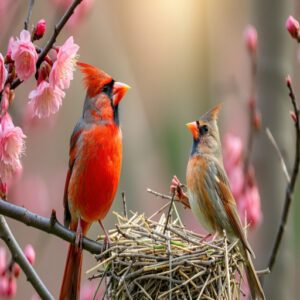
(50,225)
(57,29)
(26,23)
(291,185)
(18,256)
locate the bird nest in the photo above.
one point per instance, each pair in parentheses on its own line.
(161,259)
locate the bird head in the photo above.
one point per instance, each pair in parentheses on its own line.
(103,94)
(206,138)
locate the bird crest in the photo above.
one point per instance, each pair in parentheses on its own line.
(94,79)
(212,114)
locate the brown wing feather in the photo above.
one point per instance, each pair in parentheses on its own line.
(229,204)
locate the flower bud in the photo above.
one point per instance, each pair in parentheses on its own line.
(30,253)
(16,270)
(40,29)
(251,38)
(12,287)
(256,122)
(293,116)
(292,26)
(288,81)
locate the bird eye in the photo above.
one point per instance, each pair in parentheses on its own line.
(203,129)
(105,89)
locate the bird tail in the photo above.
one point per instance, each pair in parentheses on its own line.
(253,281)
(70,288)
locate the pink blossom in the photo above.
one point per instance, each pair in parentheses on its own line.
(251,38)
(249,206)
(63,68)
(3,286)
(46,99)
(236,178)
(11,148)
(233,149)
(9,48)
(2,261)
(30,253)
(292,26)
(24,54)
(5,100)
(80,12)
(3,73)
(88,291)
(12,287)
(40,29)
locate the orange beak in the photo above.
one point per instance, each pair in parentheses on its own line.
(192,127)
(119,90)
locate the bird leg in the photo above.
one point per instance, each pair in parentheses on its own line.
(180,195)
(107,241)
(79,235)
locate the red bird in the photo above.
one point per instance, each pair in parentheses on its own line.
(94,166)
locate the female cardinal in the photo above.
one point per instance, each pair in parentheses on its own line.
(209,193)
(94,166)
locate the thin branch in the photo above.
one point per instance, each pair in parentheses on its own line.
(279,154)
(169,211)
(19,257)
(291,185)
(50,225)
(124,205)
(252,111)
(26,23)
(57,29)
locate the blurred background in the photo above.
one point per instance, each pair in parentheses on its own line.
(180,58)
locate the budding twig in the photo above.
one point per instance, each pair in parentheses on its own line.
(50,225)
(291,185)
(19,257)
(282,162)
(26,23)
(57,29)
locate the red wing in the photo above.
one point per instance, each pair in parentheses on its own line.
(72,157)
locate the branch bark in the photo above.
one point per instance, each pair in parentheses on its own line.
(18,256)
(49,225)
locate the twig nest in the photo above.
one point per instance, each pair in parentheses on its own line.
(146,262)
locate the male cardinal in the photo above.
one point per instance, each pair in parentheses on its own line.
(94,166)
(209,192)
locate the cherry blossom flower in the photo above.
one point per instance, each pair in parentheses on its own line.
(11,148)
(24,54)
(3,72)
(45,99)
(64,66)
(80,12)
(12,287)
(2,260)
(243,186)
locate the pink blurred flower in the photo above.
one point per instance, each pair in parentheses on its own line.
(80,13)
(3,73)
(5,100)
(236,178)
(243,186)
(251,38)
(9,48)
(63,68)
(12,287)
(3,286)
(2,261)
(45,99)
(88,291)
(40,29)
(233,149)
(11,148)
(292,26)
(24,54)
(30,253)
